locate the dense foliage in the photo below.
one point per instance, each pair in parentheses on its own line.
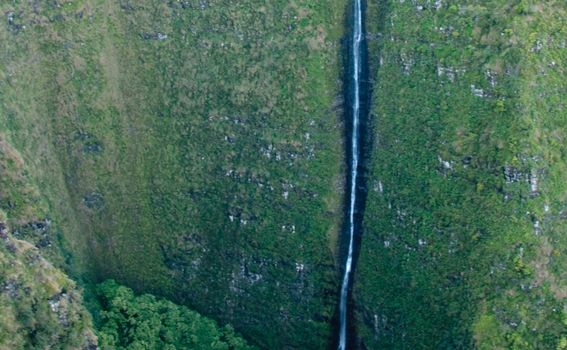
(464,234)
(145,322)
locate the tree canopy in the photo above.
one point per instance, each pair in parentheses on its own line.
(135,322)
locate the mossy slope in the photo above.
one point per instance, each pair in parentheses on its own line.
(464,240)
(40,307)
(187,148)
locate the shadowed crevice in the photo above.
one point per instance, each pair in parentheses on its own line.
(365,145)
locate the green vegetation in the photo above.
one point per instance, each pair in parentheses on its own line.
(464,243)
(186,148)
(40,307)
(144,322)
(21,206)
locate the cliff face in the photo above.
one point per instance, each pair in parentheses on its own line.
(463,242)
(187,148)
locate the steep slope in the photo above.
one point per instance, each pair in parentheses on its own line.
(464,243)
(40,307)
(187,148)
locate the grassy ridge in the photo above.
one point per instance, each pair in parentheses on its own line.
(40,307)
(188,149)
(462,245)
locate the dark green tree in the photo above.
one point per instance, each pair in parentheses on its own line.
(144,322)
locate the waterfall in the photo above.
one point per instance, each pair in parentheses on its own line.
(355,153)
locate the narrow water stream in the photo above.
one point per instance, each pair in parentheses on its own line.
(356,70)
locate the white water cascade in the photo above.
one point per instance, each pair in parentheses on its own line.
(355,153)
